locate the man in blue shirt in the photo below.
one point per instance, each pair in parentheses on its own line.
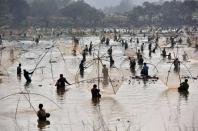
(145,70)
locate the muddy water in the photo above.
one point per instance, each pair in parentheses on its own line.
(137,106)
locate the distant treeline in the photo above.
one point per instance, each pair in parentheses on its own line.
(50,13)
(172,13)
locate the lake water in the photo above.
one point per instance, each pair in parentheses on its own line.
(137,105)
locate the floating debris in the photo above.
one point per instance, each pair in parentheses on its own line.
(52,61)
(145,77)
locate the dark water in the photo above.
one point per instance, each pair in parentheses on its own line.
(137,106)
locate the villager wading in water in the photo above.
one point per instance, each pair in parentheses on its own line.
(176,63)
(26,75)
(105,75)
(42,117)
(61,82)
(163,53)
(19,70)
(144,71)
(95,92)
(184,86)
(140,60)
(132,64)
(82,68)
(95,95)
(90,48)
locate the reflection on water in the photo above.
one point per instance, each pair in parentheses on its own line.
(42,124)
(179,110)
(184,94)
(19,77)
(95,101)
(61,92)
(27,84)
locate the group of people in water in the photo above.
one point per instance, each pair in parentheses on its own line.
(87,50)
(95,91)
(26,74)
(60,84)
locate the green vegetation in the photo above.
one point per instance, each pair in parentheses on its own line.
(82,14)
(172,13)
(57,13)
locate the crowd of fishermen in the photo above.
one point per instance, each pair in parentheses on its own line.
(153,45)
(139,54)
(139,59)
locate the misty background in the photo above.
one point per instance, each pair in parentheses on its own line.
(100,4)
(93,13)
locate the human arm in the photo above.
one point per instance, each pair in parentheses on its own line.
(57,82)
(30,73)
(66,82)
